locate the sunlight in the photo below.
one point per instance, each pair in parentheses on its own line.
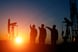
(19,40)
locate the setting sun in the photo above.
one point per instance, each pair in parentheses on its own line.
(18,40)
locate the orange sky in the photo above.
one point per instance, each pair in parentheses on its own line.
(29,13)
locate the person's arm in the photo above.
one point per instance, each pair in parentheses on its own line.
(49,28)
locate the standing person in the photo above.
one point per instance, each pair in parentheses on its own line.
(33,33)
(42,34)
(54,36)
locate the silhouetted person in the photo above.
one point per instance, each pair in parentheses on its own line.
(33,33)
(42,34)
(54,36)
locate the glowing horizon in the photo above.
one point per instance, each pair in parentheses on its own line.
(32,12)
(23,21)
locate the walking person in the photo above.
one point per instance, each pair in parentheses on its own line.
(33,33)
(42,34)
(54,36)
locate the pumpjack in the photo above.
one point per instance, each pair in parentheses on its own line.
(11,28)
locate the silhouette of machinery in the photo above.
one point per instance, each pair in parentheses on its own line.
(67,31)
(72,24)
(11,28)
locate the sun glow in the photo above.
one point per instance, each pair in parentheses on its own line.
(19,40)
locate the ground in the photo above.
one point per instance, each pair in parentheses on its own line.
(7,46)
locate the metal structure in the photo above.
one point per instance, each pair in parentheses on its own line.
(72,24)
(11,27)
(68,24)
(74,18)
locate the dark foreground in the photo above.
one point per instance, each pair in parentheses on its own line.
(6,46)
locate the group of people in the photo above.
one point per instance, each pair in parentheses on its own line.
(43,34)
